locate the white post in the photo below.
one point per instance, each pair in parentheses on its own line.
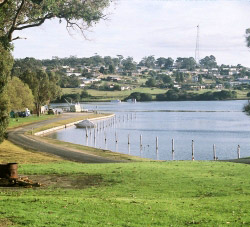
(156,144)
(192,150)
(214,151)
(90,132)
(172,149)
(86,129)
(128,145)
(105,140)
(94,137)
(116,139)
(238,151)
(141,141)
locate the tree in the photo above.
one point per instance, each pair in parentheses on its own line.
(102,69)
(128,64)
(169,63)
(248,37)
(165,78)
(6,62)
(208,62)
(111,69)
(22,14)
(151,82)
(160,61)
(148,62)
(43,87)
(186,63)
(19,94)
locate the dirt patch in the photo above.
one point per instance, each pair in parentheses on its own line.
(4,222)
(61,181)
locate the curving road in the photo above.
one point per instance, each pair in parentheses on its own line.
(18,137)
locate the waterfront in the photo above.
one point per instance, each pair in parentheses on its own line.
(212,122)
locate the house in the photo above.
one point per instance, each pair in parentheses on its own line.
(195,78)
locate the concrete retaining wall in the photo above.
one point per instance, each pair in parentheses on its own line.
(68,125)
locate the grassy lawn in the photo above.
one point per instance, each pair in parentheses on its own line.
(109,95)
(240,94)
(131,194)
(12,153)
(21,121)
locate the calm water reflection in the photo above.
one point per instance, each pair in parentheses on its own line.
(213,122)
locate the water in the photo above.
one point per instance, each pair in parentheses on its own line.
(210,122)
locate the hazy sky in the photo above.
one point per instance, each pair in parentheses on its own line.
(141,28)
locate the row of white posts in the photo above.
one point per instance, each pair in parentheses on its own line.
(173,147)
(114,120)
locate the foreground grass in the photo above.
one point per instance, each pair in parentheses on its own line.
(132,194)
(12,153)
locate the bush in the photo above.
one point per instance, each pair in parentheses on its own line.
(141,97)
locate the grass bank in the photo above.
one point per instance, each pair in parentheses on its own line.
(22,121)
(111,95)
(131,194)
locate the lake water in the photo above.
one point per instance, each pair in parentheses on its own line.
(210,122)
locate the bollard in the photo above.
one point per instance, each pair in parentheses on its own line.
(172,149)
(192,150)
(116,139)
(156,144)
(238,151)
(214,151)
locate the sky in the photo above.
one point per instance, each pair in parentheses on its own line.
(139,28)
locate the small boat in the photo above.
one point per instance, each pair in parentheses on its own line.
(85,124)
(116,101)
(131,100)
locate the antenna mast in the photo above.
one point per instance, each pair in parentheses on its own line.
(197,48)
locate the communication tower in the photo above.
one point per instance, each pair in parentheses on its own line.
(197,47)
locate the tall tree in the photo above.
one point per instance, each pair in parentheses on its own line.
(6,62)
(186,63)
(128,64)
(208,62)
(19,94)
(44,87)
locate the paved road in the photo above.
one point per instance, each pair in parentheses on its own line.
(18,137)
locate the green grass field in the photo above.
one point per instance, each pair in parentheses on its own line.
(21,121)
(109,95)
(132,194)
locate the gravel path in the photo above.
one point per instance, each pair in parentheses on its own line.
(18,137)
